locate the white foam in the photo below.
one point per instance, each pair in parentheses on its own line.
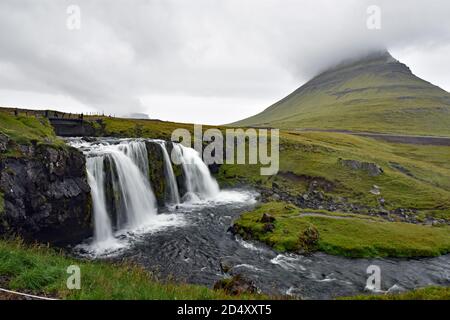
(288,262)
(123,239)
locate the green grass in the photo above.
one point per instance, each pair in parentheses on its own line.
(42,270)
(156,129)
(428,293)
(310,156)
(26,129)
(346,236)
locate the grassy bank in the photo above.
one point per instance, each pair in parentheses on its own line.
(24,129)
(156,129)
(41,270)
(428,293)
(341,234)
(414,177)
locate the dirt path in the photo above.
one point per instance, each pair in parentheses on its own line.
(394,138)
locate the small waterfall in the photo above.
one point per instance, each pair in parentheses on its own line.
(122,197)
(198,180)
(96,177)
(133,198)
(137,151)
(171,182)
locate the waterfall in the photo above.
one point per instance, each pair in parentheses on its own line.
(171,182)
(198,180)
(137,151)
(133,198)
(96,177)
(122,197)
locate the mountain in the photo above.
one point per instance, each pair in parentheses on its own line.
(376,93)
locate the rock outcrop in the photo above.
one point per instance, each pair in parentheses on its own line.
(156,171)
(46,196)
(371,168)
(236,285)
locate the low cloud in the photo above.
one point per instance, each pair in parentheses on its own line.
(234,56)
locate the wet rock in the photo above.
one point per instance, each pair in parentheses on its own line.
(89,139)
(156,171)
(236,285)
(46,195)
(225,266)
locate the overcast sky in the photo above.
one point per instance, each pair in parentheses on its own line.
(203,61)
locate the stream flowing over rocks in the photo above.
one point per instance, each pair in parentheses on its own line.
(175,221)
(156,203)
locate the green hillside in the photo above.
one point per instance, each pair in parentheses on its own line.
(376,93)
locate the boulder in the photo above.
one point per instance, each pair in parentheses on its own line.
(236,285)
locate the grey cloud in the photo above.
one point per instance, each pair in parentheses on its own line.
(253,49)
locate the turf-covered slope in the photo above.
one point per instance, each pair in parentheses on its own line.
(376,93)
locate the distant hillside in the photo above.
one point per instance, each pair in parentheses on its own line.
(376,93)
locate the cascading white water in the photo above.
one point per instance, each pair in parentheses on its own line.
(96,177)
(137,151)
(171,182)
(136,200)
(198,180)
(133,199)
(120,187)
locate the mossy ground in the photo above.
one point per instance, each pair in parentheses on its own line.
(345,235)
(42,270)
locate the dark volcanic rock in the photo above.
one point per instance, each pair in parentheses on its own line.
(46,195)
(156,170)
(4,140)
